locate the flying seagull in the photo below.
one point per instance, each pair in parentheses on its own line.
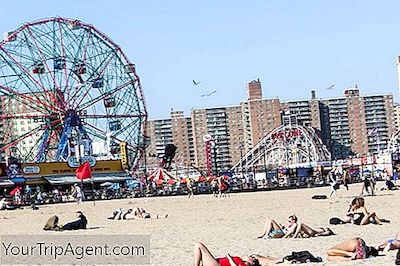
(208,94)
(195,83)
(330,87)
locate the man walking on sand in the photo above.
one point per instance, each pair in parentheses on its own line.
(77,193)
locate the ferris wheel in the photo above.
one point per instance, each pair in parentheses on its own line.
(67,88)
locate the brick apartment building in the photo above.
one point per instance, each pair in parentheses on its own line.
(348,125)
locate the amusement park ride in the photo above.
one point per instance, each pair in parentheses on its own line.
(64,86)
(286,145)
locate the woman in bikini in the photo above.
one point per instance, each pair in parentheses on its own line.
(390,244)
(351,249)
(306,231)
(294,229)
(360,215)
(202,256)
(274,230)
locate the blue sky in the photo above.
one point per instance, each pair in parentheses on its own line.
(292,46)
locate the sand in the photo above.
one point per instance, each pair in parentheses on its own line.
(223,224)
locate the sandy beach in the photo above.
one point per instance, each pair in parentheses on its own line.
(223,224)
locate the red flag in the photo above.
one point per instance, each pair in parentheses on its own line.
(83,172)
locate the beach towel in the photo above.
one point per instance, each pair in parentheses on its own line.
(302,257)
(52,223)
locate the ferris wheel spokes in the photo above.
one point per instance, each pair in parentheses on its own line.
(28,134)
(27,73)
(78,101)
(93,101)
(43,58)
(75,79)
(34,103)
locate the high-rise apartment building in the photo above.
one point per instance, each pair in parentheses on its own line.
(2,154)
(379,117)
(396,115)
(26,130)
(177,131)
(349,125)
(259,116)
(224,124)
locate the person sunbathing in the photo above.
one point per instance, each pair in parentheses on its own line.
(359,215)
(81,223)
(202,256)
(349,214)
(138,213)
(305,231)
(274,230)
(351,249)
(390,244)
(295,229)
(119,214)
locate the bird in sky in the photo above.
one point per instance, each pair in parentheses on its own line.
(330,87)
(208,94)
(195,83)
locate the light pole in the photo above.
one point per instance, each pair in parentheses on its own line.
(376,128)
(145,144)
(265,163)
(241,146)
(215,158)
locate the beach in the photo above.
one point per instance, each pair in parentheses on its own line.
(224,225)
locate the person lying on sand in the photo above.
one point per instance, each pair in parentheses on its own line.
(137,213)
(202,256)
(351,249)
(305,231)
(119,214)
(274,230)
(81,223)
(52,223)
(390,244)
(295,229)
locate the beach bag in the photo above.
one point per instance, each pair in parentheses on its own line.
(51,224)
(319,197)
(336,220)
(302,257)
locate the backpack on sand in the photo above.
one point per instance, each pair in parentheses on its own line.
(302,257)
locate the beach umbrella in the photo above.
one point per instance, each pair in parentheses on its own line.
(15,190)
(159,182)
(161,174)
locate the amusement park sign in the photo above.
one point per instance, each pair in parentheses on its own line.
(282,135)
(73,161)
